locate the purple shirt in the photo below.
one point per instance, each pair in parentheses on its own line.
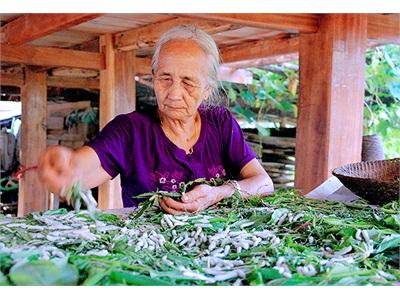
(135,146)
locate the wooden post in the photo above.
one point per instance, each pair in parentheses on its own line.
(32,196)
(329,125)
(117,95)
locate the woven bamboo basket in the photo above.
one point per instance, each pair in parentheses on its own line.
(376,181)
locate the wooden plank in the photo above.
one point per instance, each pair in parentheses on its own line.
(306,23)
(52,81)
(11,79)
(117,95)
(30,27)
(65,108)
(47,56)
(265,61)
(73,83)
(32,196)
(259,49)
(330,119)
(147,36)
(143,65)
(125,88)
(384,29)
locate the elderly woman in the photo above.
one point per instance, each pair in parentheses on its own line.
(181,140)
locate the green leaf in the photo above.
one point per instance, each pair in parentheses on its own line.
(247,95)
(122,277)
(96,275)
(109,218)
(263,275)
(393,221)
(44,272)
(3,280)
(278,213)
(389,242)
(285,105)
(6,261)
(53,212)
(232,94)
(263,131)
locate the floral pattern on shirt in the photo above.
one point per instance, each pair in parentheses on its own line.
(168,181)
(174,181)
(216,172)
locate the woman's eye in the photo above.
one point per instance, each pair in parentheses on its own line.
(188,83)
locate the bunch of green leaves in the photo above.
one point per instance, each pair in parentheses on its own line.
(274,91)
(382,96)
(87,116)
(271,92)
(152,198)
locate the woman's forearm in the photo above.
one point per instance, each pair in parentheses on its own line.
(260,185)
(256,185)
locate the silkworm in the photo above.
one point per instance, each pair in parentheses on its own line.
(227,249)
(298,216)
(226,276)
(282,219)
(290,217)
(280,260)
(246,225)
(365,235)
(185,240)
(343,251)
(176,241)
(358,235)
(168,221)
(192,243)
(212,246)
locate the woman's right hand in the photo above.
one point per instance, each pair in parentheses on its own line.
(56,169)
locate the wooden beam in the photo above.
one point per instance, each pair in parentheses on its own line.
(52,81)
(30,27)
(330,119)
(117,95)
(261,62)
(32,196)
(306,23)
(73,83)
(12,79)
(384,29)
(48,56)
(143,65)
(259,49)
(147,36)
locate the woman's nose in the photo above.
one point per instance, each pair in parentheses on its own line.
(175,90)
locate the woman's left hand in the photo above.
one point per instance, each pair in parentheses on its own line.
(198,199)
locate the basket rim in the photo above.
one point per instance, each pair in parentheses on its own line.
(337,171)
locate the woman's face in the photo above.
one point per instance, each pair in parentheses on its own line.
(180,79)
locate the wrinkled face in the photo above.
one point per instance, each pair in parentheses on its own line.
(180,79)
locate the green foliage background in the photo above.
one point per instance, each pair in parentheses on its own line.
(274,91)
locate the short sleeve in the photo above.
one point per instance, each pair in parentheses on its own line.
(113,145)
(237,150)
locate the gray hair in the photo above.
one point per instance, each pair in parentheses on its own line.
(206,42)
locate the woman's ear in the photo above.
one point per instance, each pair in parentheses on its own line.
(206,92)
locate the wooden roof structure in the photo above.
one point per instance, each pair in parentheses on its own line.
(330,48)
